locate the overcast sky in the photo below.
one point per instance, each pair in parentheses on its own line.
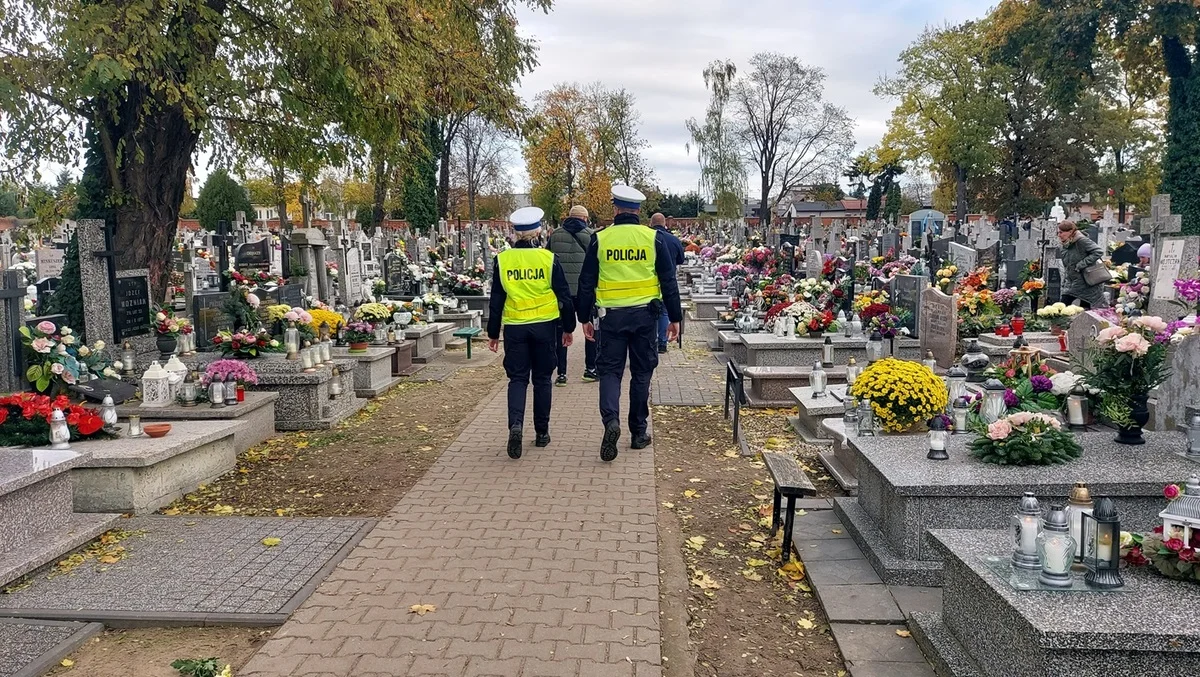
(657,49)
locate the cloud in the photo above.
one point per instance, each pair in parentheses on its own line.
(657,49)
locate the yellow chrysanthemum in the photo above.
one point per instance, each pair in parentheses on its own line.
(902,393)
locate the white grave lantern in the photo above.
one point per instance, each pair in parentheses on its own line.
(177,371)
(156,386)
(1181,519)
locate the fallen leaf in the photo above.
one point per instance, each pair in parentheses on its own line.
(67,663)
(806,624)
(757,562)
(691,493)
(422,609)
(280,512)
(704,581)
(904,633)
(424,448)
(302,445)
(719,553)
(793,570)
(836,531)
(171,511)
(732,454)
(696,542)
(668,505)
(271,541)
(751,574)
(219,509)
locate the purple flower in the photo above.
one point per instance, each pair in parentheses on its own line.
(1188,290)
(1041,384)
(1010,398)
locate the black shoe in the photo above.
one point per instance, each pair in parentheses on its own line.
(590,377)
(640,441)
(608,446)
(662,349)
(514,441)
(561,380)
(543,440)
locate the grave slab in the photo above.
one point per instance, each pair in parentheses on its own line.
(878,645)
(196,571)
(372,375)
(859,604)
(811,411)
(767,350)
(1007,632)
(33,648)
(256,413)
(422,337)
(139,475)
(704,306)
(902,494)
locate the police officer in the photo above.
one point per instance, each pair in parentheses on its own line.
(629,275)
(530,296)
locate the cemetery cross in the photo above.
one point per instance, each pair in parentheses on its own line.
(12,296)
(222,240)
(109,255)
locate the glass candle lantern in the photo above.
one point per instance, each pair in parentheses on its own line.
(380,333)
(975,362)
(856,326)
(780,327)
(961,409)
(335,383)
(827,353)
(850,414)
(1056,549)
(306,359)
(216,391)
(818,380)
(60,432)
(1026,525)
(789,327)
(326,351)
(994,407)
(291,339)
(852,371)
(1078,504)
(135,426)
(1102,550)
(156,386)
(231,398)
(1193,435)
(128,359)
(241,392)
(956,384)
(108,412)
(391,335)
(937,439)
(1017,323)
(929,360)
(847,330)
(875,347)
(866,418)
(188,390)
(1077,408)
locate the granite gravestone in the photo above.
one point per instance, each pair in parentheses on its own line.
(114,301)
(12,309)
(906,300)
(814,263)
(291,295)
(962,256)
(50,261)
(1053,283)
(939,325)
(1080,335)
(208,317)
(253,256)
(354,277)
(1175,258)
(1182,389)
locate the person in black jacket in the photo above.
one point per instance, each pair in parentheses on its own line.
(569,244)
(659,223)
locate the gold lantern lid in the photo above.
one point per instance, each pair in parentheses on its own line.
(1080,495)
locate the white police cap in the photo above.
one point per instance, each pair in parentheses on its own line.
(527,218)
(627,196)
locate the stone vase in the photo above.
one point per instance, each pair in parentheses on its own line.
(1140,414)
(166,344)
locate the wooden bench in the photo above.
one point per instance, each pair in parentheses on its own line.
(468,333)
(791,482)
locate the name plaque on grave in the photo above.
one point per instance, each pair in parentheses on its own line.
(208,317)
(1169,263)
(254,255)
(131,314)
(290,295)
(906,297)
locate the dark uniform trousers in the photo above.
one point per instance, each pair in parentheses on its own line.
(632,332)
(530,351)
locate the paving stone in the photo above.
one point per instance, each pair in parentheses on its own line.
(892,670)
(859,604)
(841,572)
(34,646)
(546,565)
(688,377)
(875,644)
(828,549)
(186,567)
(912,598)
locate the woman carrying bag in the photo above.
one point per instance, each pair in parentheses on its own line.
(1082,261)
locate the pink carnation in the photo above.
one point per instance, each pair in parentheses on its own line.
(999,430)
(1133,343)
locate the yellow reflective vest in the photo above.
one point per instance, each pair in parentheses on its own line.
(525,274)
(627,276)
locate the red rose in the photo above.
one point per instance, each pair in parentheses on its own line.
(1174,544)
(1158,529)
(73,418)
(1171,492)
(1187,555)
(88,425)
(3,415)
(235,345)
(838,292)
(216,340)
(262,342)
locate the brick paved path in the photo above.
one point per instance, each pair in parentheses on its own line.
(547,565)
(689,377)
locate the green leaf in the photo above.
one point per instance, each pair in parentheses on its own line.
(33,373)
(25,332)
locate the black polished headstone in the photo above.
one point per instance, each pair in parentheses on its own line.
(253,255)
(131,312)
(208,317)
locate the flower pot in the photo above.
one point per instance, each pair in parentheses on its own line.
(1140,414)
(166,344)
(360,347)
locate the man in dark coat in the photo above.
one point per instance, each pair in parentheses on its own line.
(659,223)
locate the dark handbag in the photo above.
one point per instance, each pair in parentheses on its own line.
(1097,274)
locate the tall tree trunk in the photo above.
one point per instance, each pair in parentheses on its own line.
(380,189)
(764,208)
(1119,165)
(443,190)
(148,174)
(960,193)
(277,179)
